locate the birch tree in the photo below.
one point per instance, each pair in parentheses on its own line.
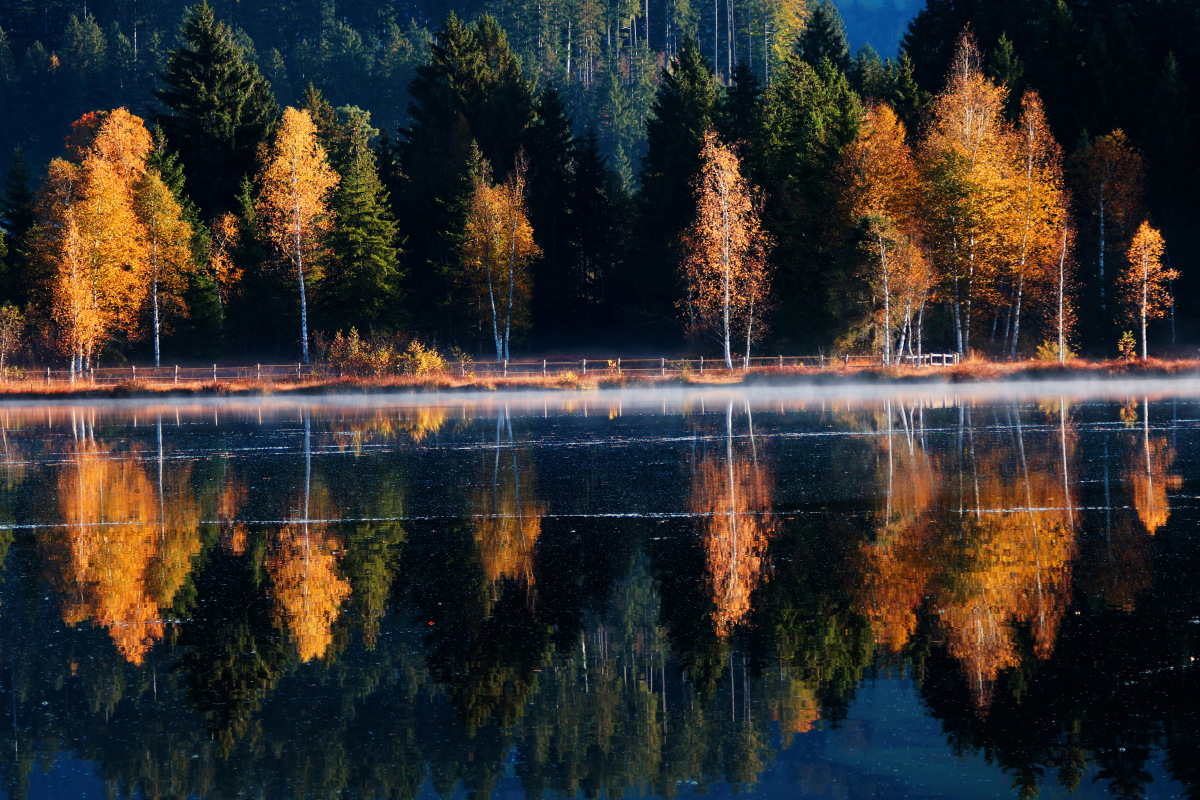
(1144,282)
(498,248)
(724,268)
(295,182)
(167,251)
(883,184)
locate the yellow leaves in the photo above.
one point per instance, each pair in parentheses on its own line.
(986,558)
(510,519)
(92,235)
(223,237)
(1145,281)
(1151,477)
(294,183)
(498,248)
(167,241)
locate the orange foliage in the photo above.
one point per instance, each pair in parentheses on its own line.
(510,519)
(308,588)
(223,238)
(498,248)
(732,496)
(725,267)
(126,547)
(1146,280)
(995,555)
(294,185)
(1151,477)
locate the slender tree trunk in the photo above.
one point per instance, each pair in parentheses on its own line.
(749,334)
(495,324)
(1145,302)
(1016,328)
(1103,305)
(887,303)
(300,278)
(1062,266)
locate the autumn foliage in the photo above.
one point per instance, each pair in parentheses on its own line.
(725,269)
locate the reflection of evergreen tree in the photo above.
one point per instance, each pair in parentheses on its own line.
(234,655)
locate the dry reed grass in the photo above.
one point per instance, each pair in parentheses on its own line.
(971,370)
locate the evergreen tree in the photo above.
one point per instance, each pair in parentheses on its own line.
(597,235)
(741,118)
(811,116)
(550,164)
(471,95)
(361,282)
(685,108)
(217,108)
(17,217)
(824,37)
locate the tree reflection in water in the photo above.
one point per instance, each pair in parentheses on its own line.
(271,624)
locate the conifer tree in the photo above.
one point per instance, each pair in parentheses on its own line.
(824,37)
(17,217)
(216,108)
(361,285)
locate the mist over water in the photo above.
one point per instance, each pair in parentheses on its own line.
(875,591)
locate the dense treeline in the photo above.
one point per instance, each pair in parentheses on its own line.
(531,176)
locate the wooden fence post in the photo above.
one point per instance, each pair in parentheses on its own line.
(133,367)
(618,366)
(585,366)
(297,370)
(47,376)
(258,372)
(543,367)
(664,367)
(701,365)
(781,362)
(506,367)
(176,374)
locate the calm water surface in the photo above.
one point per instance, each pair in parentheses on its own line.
(888,595)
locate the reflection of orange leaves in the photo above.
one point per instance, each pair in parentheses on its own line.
(1152,479)
(303,565)
(230,501)
(126,550)
(795,709)
(996,556)
(734,499)
(510,522)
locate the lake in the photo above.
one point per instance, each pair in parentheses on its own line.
(954,592)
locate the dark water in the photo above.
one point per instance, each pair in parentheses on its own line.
(901,596)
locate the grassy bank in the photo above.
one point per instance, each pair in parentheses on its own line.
(969,371)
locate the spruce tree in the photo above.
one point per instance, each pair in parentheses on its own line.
(824,37)
(216,108)
(361,283)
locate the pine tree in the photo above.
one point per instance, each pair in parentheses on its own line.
(217,108)
(361,285)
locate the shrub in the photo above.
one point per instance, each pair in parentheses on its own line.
(1048,351)
(1127,346)
(421,360)
(354,355)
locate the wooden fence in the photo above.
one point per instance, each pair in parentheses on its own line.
(531,368)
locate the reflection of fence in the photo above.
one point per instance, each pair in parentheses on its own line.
(634,367)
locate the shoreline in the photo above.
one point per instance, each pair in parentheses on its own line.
(968,372)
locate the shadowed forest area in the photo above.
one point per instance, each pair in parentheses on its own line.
(250,181)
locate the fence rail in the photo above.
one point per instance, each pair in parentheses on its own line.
(633,367)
